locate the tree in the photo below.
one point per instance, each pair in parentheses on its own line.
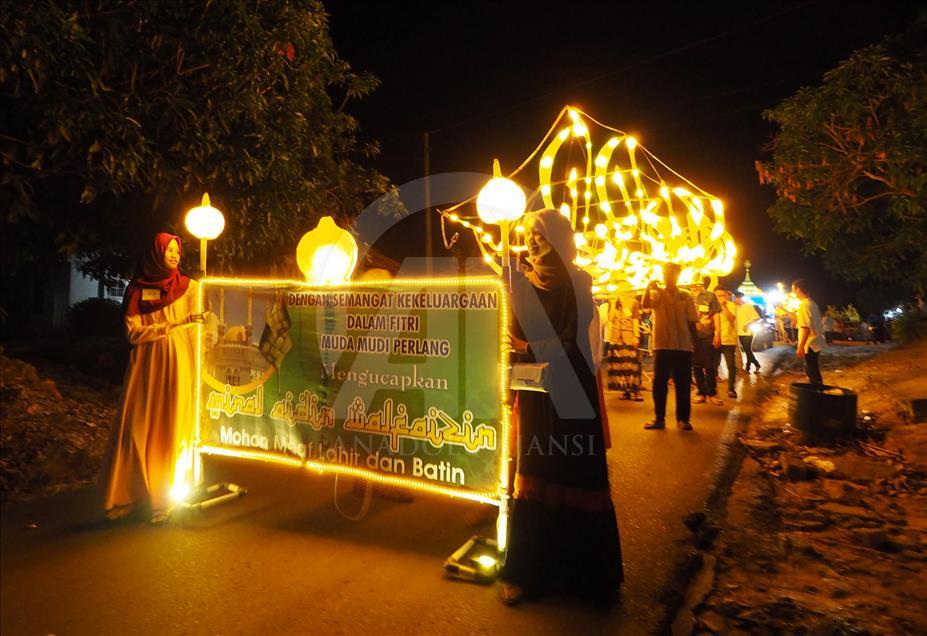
(849,165)
(116,116)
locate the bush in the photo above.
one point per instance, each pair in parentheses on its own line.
(96,317)
(911,325)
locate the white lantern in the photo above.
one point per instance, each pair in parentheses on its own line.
(205,223)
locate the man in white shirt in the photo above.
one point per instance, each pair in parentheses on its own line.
(810,333)
(673,335)
(747,316)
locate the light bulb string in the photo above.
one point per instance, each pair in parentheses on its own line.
(690,240)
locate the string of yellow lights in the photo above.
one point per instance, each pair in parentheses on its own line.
(628,220)
(495,498)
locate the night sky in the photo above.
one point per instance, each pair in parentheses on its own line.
(487,79)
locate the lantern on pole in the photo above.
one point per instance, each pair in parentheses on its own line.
(500,202)
(205,223)
(327,255)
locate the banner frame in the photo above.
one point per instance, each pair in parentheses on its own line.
(499,497)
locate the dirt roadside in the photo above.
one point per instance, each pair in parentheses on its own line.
(54,424)
(823,539)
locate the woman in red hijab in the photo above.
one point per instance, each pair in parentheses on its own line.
(152,428)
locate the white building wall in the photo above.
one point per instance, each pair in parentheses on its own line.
(82,287)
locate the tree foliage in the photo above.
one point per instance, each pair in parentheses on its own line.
(116,116)
(849,165)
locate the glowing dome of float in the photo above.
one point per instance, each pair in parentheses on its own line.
(631,213)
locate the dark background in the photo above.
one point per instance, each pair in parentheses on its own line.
(486,79)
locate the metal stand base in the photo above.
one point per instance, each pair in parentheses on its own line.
(207,496)
(476,560)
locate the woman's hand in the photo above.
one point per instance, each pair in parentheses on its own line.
(516,344)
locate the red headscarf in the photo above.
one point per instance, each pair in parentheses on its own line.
(154,274)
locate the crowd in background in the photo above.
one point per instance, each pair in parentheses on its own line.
(724,333)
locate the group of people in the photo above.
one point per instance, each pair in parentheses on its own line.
(692,332)
(871,329)
(717,323)
(563,530)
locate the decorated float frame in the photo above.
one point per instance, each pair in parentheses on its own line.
(497,496)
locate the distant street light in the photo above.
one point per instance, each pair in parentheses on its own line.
(205,223)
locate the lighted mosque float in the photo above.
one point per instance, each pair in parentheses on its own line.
(631,213)
(751,290)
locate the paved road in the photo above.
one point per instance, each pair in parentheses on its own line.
(282,560)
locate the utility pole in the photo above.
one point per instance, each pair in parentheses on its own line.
(428,254)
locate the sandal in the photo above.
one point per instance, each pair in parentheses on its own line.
(511,595)
(655,425)
(120,512)
(638,397)
(159,518)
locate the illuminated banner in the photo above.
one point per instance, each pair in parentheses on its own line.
(400,381)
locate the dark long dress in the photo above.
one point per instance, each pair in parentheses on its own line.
(563,533)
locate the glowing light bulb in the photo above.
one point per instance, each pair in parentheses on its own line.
(329,265)
(180,492)
(501,199)
(328,254)
(204,221)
